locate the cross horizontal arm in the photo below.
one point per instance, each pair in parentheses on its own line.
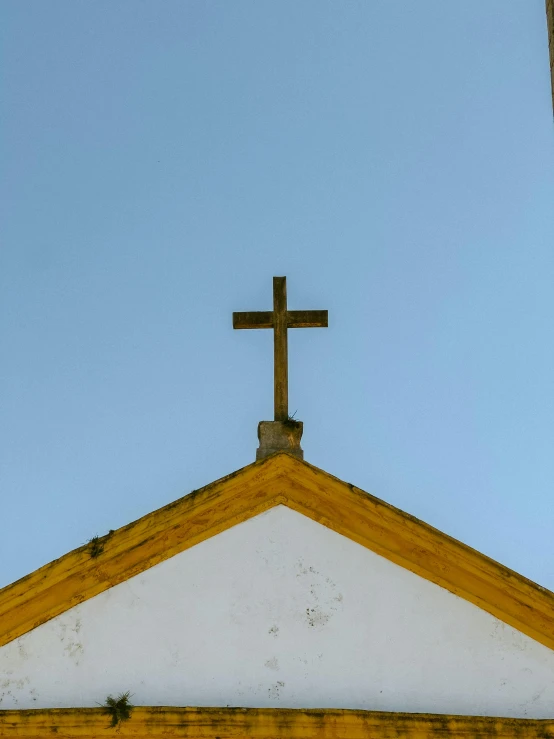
(253,319)
(307,319)
(295,319)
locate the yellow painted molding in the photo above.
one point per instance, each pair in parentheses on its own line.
(280,479)
(265,723)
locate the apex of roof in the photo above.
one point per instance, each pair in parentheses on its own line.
(280,479)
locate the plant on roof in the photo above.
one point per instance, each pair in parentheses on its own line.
(119,708)
(291,421)
(96,547)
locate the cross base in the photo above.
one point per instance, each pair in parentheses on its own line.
(279,436)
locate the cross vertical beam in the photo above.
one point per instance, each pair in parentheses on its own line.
(280,349)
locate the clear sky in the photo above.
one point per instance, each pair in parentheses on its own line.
(163,160)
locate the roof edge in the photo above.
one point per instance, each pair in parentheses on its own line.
(96,566)
(227,723)
(278,479)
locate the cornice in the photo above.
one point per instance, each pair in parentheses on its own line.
(265,723)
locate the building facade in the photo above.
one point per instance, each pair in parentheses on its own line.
(278,601)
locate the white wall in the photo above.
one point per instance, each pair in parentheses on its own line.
(280,611)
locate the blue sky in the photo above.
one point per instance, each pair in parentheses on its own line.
(162,161)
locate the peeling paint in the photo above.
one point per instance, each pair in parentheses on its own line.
(324,600)
(316,617)
(275,690)
(21,649)
(74,650)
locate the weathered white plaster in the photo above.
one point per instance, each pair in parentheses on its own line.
(280,611)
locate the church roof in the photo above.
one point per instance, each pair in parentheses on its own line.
(277,480)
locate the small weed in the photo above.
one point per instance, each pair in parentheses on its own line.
(291,421)
(118,708)
(96,544)
(96,547)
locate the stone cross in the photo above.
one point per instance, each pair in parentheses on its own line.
(280,319)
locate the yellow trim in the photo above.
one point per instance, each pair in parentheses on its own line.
(399,537)
(266,723)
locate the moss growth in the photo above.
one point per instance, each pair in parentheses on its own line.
(291,422)
(119,708)
(95,546)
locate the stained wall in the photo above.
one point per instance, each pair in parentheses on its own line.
(281,611)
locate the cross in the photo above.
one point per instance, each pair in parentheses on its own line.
(280,319)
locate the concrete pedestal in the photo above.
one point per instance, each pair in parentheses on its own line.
(279,436)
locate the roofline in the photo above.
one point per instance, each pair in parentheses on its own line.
(279,479)
(260,723)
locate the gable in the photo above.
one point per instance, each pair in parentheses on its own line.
(280,611)
(281,479)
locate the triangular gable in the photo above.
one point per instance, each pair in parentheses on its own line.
(280,479)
